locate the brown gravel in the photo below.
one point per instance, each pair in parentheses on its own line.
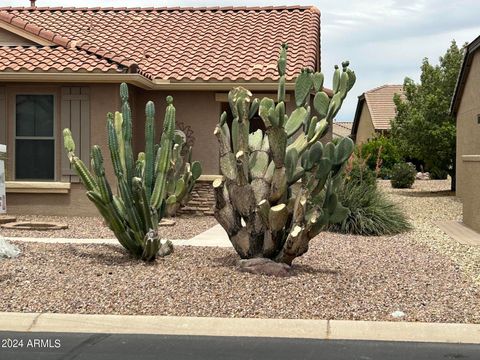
(340,278)
(427,204)
(93,228)
(423,273)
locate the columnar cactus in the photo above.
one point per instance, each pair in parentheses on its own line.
(182,174)
(134,212)
(257,202)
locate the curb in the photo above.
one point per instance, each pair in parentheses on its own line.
(242,327)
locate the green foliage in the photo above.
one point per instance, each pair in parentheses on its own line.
(134,212)
(261,170)
(423,127)
(357,171)
(371,213)
(403,175)
(380,152)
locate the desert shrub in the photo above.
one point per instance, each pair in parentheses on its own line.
(384,173)
(403,176)
(358,171)
(380,152)
(371,213)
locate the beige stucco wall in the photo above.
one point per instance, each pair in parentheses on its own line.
(103,98)
(197,109)
(468,143)
(8,38)
(365,128)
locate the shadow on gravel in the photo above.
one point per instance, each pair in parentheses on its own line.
(443,193)
(113,256)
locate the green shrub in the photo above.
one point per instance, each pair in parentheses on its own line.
(403,175)
(380,152)
(385,173)
(370,212)
(357,171)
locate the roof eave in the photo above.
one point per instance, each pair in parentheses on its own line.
(462,76)
(356,119)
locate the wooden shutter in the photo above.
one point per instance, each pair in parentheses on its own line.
(3,117)
(75,114)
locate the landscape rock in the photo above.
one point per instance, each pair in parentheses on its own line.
(8,250)
(263,266)
(423,176)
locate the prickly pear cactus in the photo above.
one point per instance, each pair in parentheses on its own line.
(278,187)
(182,174)
(134,212)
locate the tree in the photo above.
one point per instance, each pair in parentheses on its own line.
(423,127)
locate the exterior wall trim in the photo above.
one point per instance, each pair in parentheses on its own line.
(37,187)
(471,158)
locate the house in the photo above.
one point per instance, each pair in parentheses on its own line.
(61,67)
(375,110)
(466,109)
(341,129)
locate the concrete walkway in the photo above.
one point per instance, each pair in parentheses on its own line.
(213,237)
(461,233)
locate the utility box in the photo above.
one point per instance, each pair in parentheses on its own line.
(3,196)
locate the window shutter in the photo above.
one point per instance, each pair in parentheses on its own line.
(3,117)
(75,114)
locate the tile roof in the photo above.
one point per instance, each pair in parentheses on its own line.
(342,128)
(53,58)
(380,104)
(184,44)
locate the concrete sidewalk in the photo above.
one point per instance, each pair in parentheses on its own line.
(242,327)
(213,237)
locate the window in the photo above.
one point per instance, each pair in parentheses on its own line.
(34,140)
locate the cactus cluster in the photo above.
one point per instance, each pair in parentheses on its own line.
(133,213)
(260,202)
(182,174)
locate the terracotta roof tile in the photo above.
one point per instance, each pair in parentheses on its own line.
(184,44)
(56,59)
(381,106)
(342,128)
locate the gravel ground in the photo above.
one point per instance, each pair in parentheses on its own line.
(423,273)
(93,228)
(427,204)
(339,278)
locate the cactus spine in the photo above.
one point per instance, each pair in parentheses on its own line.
(134,212)
(261,169)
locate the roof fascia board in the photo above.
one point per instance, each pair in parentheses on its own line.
(134,79)
(25,34)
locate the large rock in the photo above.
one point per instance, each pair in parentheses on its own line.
(263,266)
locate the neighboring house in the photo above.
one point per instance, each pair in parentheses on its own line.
(341,129)
(61,67)
(466,109)
(375,111)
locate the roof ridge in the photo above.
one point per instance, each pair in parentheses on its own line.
(381,87)
(164,8)
(65,42)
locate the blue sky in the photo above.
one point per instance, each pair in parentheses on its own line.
(384,40)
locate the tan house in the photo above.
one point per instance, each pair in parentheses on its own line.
(61,67)
(375,110)
(466,109)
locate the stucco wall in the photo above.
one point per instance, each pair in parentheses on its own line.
(7,38)
(103,98)
(365,128)
(468,143)
(197,109)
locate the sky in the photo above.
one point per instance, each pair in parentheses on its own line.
(384,40)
